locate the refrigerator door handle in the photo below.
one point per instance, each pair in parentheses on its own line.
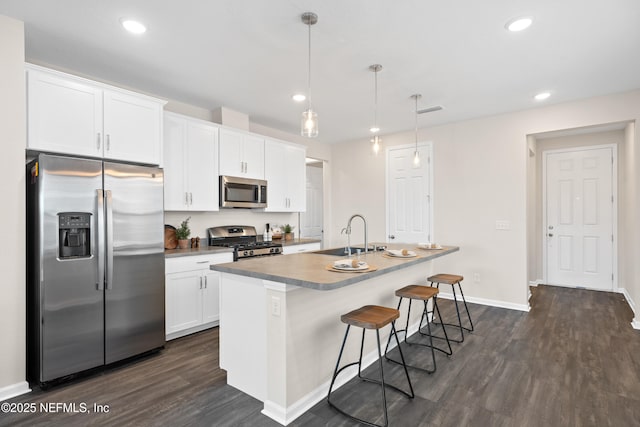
(100,238)
(109,242)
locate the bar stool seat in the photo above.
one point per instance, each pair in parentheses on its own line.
(424,294)
(372,317)
(453,280)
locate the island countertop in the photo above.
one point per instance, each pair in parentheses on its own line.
(309,270)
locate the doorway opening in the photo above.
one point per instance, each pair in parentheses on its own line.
(312,220)
(575,191)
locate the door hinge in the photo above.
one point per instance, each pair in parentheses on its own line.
(612,237)
(611,199)
(612,277)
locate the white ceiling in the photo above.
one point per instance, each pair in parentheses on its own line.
(251,55)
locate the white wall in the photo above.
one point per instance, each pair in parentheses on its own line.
(12,172)
(480,176)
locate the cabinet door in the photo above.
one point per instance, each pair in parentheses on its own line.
(64,116)
(202,167)
(296,179)
(183,300)
(174,147)
(211,297)
(253,155)
(275,174)
(132,128)
(230,160)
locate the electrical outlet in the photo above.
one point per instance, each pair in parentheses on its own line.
(476,277)
(275,306)
(503,225)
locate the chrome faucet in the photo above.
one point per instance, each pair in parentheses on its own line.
(348,231)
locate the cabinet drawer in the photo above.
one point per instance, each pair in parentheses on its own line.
(195,262)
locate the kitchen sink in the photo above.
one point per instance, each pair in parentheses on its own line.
(342,251)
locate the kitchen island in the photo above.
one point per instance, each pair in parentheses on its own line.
(280,328)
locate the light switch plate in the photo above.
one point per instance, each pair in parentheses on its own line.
(503,224)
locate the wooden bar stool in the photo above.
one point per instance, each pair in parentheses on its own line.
(453,279)
(370,317)
(423,293)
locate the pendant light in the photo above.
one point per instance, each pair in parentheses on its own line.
(376,140)
(416,155)
(309,121)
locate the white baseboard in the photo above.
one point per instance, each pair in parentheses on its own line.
(14,390)
(489,302)
(536,282)
(190,331)
(635,323)
(286,415)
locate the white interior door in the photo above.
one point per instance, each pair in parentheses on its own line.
(409,195)
(311,219)
(579,218)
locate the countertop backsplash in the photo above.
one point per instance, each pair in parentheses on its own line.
(201,221)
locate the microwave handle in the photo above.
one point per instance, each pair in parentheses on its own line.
(263,194)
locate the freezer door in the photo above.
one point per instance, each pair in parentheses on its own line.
(71,300)
(134,270)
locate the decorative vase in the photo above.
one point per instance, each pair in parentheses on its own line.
(184,243)
(288,236)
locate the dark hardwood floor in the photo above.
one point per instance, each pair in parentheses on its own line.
(573,360)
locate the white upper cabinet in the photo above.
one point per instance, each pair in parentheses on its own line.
(190,164)
(72,115)
(285,173)
(241,154)
(64,116)
(132,128)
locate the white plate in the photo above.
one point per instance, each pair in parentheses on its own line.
(362,266)
(397,253)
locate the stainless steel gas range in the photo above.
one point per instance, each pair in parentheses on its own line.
(244,241)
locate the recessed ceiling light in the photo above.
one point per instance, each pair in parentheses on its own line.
(132,26)
(374,129)
(542,96)
(519,24)
(299,97)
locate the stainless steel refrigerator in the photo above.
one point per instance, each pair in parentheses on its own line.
(95,264)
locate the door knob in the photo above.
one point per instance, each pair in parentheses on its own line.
(391,236)
(550,234)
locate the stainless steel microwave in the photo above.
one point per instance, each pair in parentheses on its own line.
(237,192)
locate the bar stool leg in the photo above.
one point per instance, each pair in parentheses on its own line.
(425,313)
(383,385)
(337,371)
(446,337)
(466,308)
(455,302)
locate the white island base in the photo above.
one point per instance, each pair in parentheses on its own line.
(279,341)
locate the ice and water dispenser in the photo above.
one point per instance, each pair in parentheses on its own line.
(74,235)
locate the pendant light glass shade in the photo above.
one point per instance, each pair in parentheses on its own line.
(309,123)
(309,120)
(377,141)
(416,155)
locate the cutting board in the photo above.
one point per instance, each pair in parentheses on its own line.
(170,239)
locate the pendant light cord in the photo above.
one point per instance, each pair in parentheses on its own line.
(375,101)
(416,123)
(309,70)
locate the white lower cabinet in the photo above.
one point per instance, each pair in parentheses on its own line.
(304,247)
(192,293)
